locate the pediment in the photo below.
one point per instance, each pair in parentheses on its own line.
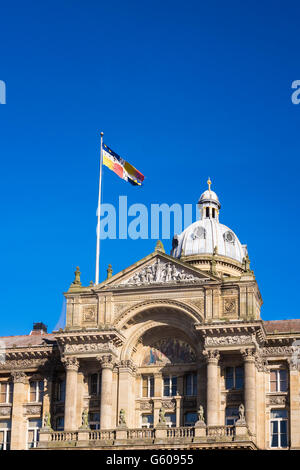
(158,269)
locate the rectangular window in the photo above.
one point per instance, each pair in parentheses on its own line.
(170,420)
(61,390)
(231,415)
(191,384)
(170,386)
(36,390)
(190,418)
(278,380)
(5,426)
(6,392)
(59,423)
(279,436)
(148,386)
(234,378)
(94,421)
(147,421)
(94,384)
(34,426)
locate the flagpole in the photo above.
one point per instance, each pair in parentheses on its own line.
(98,212)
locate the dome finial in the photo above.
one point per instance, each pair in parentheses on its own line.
(209,183)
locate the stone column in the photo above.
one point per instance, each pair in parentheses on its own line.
(71,366)
(249,388)
(47,396)
(18,422)
(107,366)
(294,387)
(127,370)
(212,409)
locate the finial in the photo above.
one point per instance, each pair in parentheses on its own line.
(109,272)
(209,183)
(159,246)
(77,277)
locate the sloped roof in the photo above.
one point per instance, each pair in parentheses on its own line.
(27,340)
(282,326)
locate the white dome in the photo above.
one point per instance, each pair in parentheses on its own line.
(203,236)
(209,196)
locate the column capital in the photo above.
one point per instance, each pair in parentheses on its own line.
(249,354)
(106,361)
(19,377)
(70,363)
(128,365)
(212,355)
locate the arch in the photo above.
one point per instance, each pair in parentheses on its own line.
(192,312)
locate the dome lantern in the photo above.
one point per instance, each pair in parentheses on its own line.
(209,204)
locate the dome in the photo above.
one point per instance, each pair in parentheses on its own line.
(208,236)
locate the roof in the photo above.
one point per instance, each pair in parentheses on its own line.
(27,340)
(282,326)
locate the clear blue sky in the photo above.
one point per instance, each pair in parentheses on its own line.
(182,90)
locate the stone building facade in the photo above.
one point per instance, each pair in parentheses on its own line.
(169,353)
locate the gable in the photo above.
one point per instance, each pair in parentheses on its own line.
(158,269)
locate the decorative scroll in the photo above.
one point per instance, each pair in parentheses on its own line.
(169,351)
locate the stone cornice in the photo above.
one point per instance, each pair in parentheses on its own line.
(90,337)
(232,333)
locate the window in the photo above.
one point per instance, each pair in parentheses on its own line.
(234,378)
(59,423)
(214,213)
(191,384)
(231,415)
(190,418)
(6,392)
(34,426)
(94,384)
(278,380)
(148,386)
(207,212)
(36,389)
(279,436)
(170,386)
(94,420)
(147,421)
(61,390)
(170,420)
(5,426)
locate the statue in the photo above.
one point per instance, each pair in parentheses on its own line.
(200,413)
(122,421)
(241,419)
(162,418)
(47,420)
(85,419)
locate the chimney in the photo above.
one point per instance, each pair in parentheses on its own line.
(38,329)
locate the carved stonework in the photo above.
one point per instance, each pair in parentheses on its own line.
(5,410)
(261,363)
(212,355)
(146,405)
(106,361)
(23,363)
(249,354)
(227,340)
(90,348)
(19,377)
(33,410)
(160,272)
(70,363)
(89,314)
(199,303)
(277,400)
(277,351)
(127,364)
(230,306)
(169,404)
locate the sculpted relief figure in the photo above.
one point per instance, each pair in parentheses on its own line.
(159,272)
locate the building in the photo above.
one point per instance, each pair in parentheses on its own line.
(169,353)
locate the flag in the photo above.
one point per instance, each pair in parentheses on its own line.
(122,168)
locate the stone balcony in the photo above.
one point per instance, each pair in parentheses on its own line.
(204,437)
